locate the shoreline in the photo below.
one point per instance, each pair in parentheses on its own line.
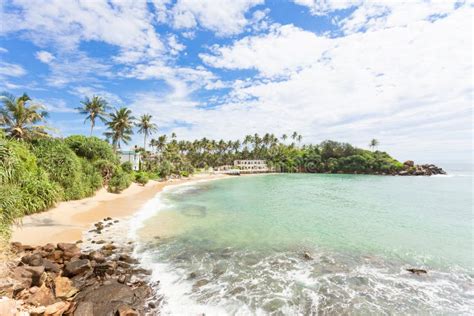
(69,220)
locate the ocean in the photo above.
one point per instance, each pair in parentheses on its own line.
(311,244)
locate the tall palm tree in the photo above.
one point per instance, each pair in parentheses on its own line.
(120,127)
(20,119)
(374,143)
(94,108)
(284,137)
(146,127)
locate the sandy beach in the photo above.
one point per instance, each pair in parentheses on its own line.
(68,220)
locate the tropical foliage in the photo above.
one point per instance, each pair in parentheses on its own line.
(94,108)
(120,127)
(20,119)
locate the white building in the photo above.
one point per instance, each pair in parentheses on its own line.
(130,156)
(249,166)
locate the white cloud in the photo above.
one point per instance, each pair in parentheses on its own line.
(224,17)
(284,49)
(126,24)
(407,85)
(89,91)
(11,70)
(322,7)
(3,50)
(44,56)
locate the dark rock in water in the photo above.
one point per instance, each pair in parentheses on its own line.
(99,242)
(237,290)
(151,305)
(192,275)
(77,267)
(200,283)
(307,256)
(417,271)
(127,258)
(97,256)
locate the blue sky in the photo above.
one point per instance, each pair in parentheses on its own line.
(350,70)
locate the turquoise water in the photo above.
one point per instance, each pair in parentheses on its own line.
(238,244)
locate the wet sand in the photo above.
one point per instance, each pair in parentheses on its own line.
(68,220)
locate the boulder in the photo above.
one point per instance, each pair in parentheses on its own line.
(417,271)
(37,311)
(307,256)
(84,309)
(77,267)
(127,258)
(50,266)
(107,298)
(43,296)
(200,283)
(33,260)
(409,163)
(36,275)
(23,279)
(64,287)
(125,310)
(56,309)
(97,256)
(56,256)
(70,250)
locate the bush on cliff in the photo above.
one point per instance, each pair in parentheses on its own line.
(91,148)
(120,181)
(141,178)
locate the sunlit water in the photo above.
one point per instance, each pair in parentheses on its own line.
(236,246)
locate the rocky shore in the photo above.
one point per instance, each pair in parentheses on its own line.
(411,169)
(62,279)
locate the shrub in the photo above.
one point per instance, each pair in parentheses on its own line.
(142,178)
(91,178)
(91,148)
(106,168)
(120,181)
(127,167)
(165,169)
(39,194)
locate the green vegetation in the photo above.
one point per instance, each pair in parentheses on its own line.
(120,127)
(94,108)
(120,181)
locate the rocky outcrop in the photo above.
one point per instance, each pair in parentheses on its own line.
(62,280)
(411,169)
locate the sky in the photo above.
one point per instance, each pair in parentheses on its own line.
(345,70)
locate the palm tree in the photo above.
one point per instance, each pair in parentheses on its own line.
(94,108)
(284,137)
(120,126)
(146,127)
(374,143)
(19,119)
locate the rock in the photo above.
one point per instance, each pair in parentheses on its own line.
(307,256)
(36,275)
(64,287)
(99,242)
(109,247)
(417,271)
(403,173)
(49,247)
(56,256)
(23,279)
(192,275)
(122,279)
(70,250)
(33,289)
(43,296)
(127,258)
(77,267)
(84,309)
(33,260)
(151,305)
(107,298)
(125,310)
(97,256)
(409,163)
(56,309)
(8,307)
(37,311)
(200,283)
(50,266)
